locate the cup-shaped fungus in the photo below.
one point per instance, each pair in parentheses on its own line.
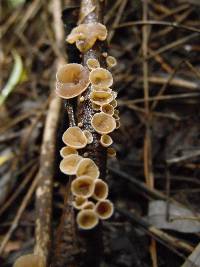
(83,186)
(108,109)
(66,151)
(104,209)
(111,152)
(92,63)
(69,164)
(101,78)
(103,123)
(87,167)
(101,97)
(85,35)
(74,137)
(30,260)
(95,106)
(71,80)
(100,190)
(111,61)
(87,219)
(89,205)
(89,136)
(107,89)
(79,202)
(114,103)
(106,140)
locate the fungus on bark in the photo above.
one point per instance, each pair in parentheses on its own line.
(101,78)
(69,164)
(103,123)
(100,190)
(87,167)
(106,140)
(104,209)
(83,186)
(74,137)
(87,219)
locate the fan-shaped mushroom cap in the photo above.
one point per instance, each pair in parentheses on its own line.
(103,123)
(66,151)
(104,209)
(71,80)
(30,260)
(89,136)
(101,97)
(87,219)
(106,140)
(85,35)
(95,106)
(100,190)
(93,63)
(108,109)
(83,186)
(69,164)
(101,78)
(89,205)
(114,103)
(74,137)
(79,202)
(111,152)
(87,167)
(111,61)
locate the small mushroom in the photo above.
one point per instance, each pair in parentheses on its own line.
(79,202)
(74,137)
(89,205)
(111,152)
(71,80)
(114,103)
(106,140)
(92,63)
(87,219)
(111,61)
(82,98)
(87,167)
(89,136)
(104,209)
(66,151)
(108,109)
(30,260)
(83,186)
(103,123)
(69,164)
(100,190)
(95,106)
(101,97)
(101,78)
(107,89)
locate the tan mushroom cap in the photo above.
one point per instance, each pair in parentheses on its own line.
(107,89)
(89,136)
(87,219)
(83,186)
(114,103)
(95,107)
(108,109)
(106,140)
(92,63)
(103,123)
(104,209)
(89,205)
(100,190)
(30,260)
(85,35)
(69,164)
(111,61)
(71,80)
(74,137)
(116,117)
(101,97)
(101,78)
(79,202)
(111,152)
(66,151)
(87,167)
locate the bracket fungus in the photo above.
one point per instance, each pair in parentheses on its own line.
(83,186)
(87,167)
(101,78)
(92,63)
(30,260)
(87,219)
(106,140)
(100,190)
(101,97)
(89,136)
(104,209)
(69,164)
(74,137)
(79,202)
(66,151)
(108,109)
(71,80)
(103,123)
(85,35)
(111,61)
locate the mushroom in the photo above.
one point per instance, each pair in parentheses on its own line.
(101,97)
(106,140)
(111,61)
(85,35)
(74,137)
(100,190)
(87,219)
(111,152)
(104,209)
(83,186)
(66,151)
(107,89)
(79,202)
(71,80)
(93,63)
(87,167)
(114,103)
(89,205)
(95,106)
(89,136)
(103,123)
(69,164)
(101,78)
(30,260)
(108,109)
